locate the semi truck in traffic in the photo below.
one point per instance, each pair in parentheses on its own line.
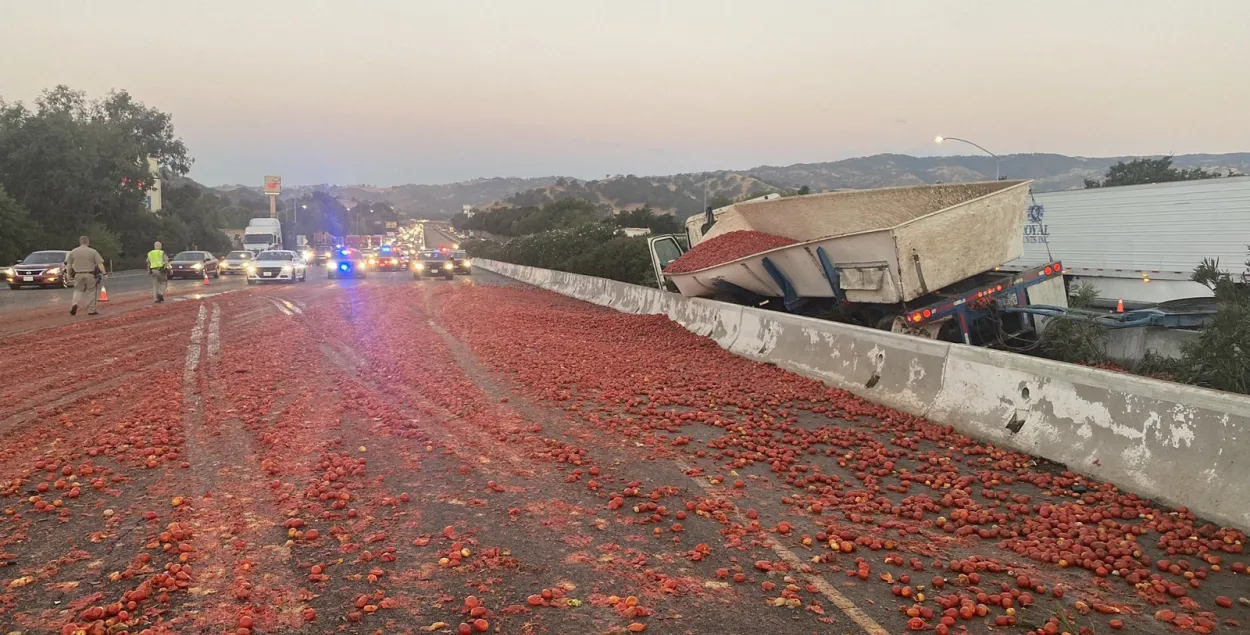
(262,234)
(1139,244)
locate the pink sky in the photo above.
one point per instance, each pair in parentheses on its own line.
(414,91)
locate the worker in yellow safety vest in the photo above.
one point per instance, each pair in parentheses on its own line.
(158,269)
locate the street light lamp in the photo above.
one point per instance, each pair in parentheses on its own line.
(997,170)
(293,210)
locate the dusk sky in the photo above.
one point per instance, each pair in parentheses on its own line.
(428,91)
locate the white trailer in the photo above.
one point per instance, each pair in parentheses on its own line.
(1140,243)
(908,259)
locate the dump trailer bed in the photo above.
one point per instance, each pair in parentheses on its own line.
(883,246)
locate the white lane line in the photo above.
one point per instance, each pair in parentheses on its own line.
(300,304)
(292,307)
(281,307)
(797,566)
(214,332)
(193,349)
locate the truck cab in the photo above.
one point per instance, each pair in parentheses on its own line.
(668,247)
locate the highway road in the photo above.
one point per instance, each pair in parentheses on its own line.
(402,456)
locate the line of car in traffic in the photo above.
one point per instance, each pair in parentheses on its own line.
(48,268)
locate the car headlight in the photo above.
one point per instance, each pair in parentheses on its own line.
(447,266)
(394,261)
(287,269)
(53,271)
(330,264)
(197,266)
(419,267)
(251,268)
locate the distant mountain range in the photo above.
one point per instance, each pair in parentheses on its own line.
(683,194)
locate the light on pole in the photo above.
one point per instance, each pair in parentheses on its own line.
(293,210)
(997,161)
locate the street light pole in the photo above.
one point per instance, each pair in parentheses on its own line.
(997,160)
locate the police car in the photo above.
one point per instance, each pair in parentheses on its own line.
(391,258)
(346,263)
(433,263)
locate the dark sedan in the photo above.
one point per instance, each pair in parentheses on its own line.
(346,263)
(460,262)
(391,259)
(193,264)
(433,263)
(41,269)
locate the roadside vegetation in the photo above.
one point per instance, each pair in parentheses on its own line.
(569,235)
(46,149)
(1218,358)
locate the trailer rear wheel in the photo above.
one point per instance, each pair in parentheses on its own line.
(888,323)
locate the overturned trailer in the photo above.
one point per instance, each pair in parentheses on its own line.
(921,259)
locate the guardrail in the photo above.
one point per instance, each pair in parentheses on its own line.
(1178,444)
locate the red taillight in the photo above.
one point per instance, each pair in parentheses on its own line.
(1049,270)
(927,313)
(915,317)
(1000,287)
(1058,267)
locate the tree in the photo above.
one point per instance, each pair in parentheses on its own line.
(646,217)
(1141,171)
(16,230)
(71,162)
(805,190)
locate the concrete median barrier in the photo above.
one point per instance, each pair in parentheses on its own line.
(1177,444)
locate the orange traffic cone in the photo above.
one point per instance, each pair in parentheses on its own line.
(1119,306)
(205,277)
(104,294)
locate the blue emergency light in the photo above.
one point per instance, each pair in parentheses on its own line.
(344,252)
(343,267)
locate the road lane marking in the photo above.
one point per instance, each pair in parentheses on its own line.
(193,349)
(214,332)
(281,307)
(844,604)
(292,307)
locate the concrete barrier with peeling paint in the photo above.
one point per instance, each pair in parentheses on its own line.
(1178,444)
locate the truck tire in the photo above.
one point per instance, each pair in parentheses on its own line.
(886,323)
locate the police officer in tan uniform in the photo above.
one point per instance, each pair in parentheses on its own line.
(86,265)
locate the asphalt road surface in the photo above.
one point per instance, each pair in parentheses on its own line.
(401,456)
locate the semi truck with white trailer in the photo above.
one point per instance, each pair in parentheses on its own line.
(1139,243)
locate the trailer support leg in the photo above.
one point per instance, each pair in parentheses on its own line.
(962,316)
(788,294)
(831,273)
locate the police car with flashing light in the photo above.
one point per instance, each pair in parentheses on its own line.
(433,263)
(391,258)
(346,263)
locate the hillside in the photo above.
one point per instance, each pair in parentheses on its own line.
(680,194)
(1049,171)
(414,201)
(683,194)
